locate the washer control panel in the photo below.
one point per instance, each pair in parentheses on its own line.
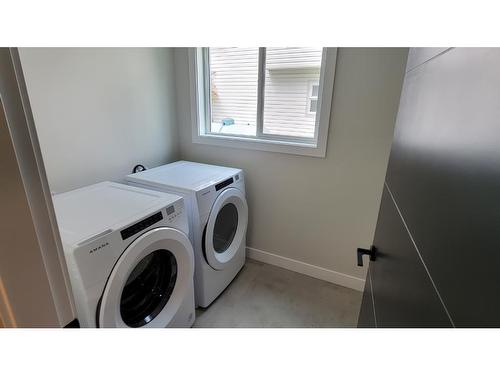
(173,212)
(141,225)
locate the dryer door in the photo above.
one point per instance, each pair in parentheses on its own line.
(148,282)
(226,228)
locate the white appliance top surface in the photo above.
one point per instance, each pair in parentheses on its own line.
(86,212)
(183,175)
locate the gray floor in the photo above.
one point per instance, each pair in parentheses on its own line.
(267,296)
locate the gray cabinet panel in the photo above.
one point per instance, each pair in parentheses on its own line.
(403,293)
(444,173)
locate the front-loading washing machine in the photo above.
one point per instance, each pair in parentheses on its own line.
(129,259)
(215,198)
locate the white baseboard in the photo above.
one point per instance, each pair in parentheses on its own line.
(307,269)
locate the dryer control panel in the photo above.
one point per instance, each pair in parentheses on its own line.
(223,184)
(206,197)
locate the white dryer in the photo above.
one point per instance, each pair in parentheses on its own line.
(215,198)
(130,261)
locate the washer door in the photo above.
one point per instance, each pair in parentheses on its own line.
(226,228)
(148,282)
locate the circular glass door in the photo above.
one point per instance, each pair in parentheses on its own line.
(148,288)
(149,281)
(226,228)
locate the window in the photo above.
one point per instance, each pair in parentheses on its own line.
(312,102)
(273,99)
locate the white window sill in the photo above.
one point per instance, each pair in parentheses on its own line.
(259,144)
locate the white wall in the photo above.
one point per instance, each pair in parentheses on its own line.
(100,111)
(316,210)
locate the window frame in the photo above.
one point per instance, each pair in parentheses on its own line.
(200,93)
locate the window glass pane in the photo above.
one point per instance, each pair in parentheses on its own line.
(287,98)
(314,90)
(313,105)
(233,90)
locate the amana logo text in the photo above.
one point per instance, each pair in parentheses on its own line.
(98,247)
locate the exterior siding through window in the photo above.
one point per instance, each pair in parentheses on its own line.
(289,74)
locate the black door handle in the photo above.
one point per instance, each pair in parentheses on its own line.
(372,253)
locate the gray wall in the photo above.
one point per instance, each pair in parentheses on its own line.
(310,209)
(100,111)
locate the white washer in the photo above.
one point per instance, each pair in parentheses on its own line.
(130,261)
(215,198)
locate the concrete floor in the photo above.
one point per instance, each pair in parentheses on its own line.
(266,296)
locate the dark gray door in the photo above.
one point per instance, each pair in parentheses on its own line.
(438,228)
(403,293)
(367,313)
